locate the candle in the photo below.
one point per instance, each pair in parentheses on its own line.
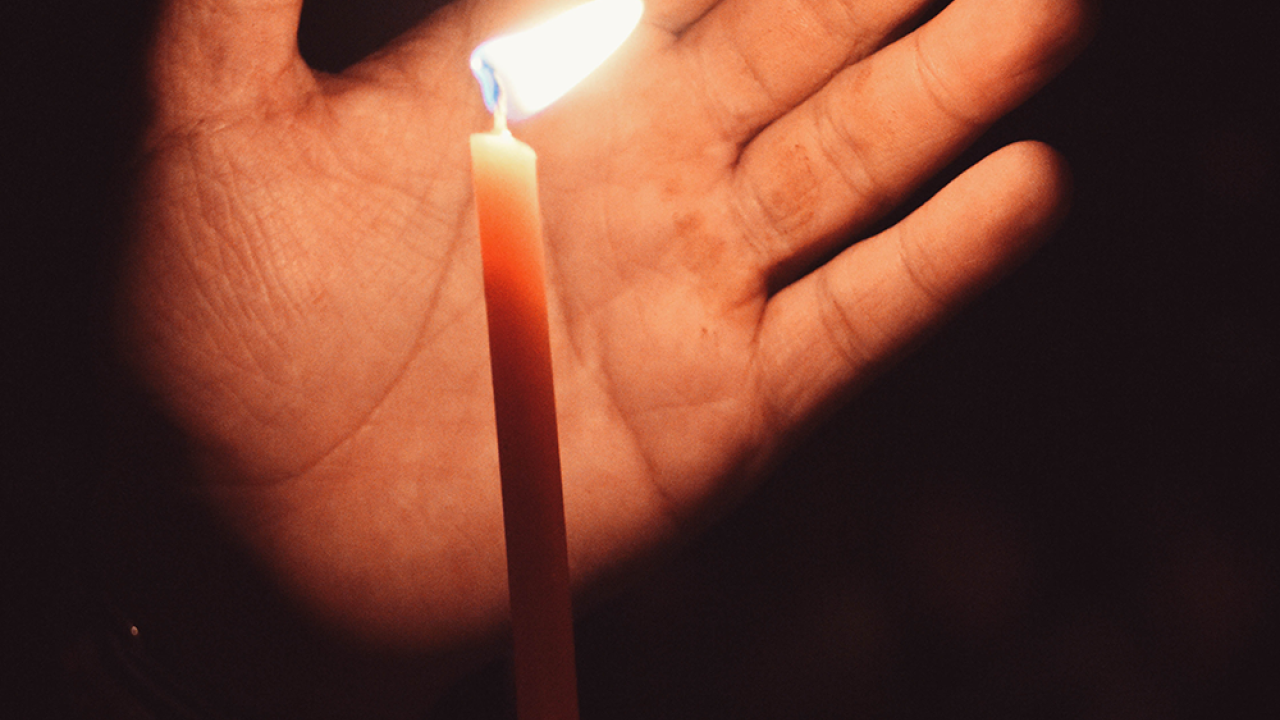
(521,74)
(506,191)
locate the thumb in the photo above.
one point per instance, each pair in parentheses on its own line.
(222,56)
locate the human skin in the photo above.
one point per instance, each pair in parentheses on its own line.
(302,292)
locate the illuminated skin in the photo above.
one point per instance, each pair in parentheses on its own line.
(303,290)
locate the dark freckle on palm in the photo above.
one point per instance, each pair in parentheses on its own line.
(688,223)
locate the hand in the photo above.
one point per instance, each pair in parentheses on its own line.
(303,291)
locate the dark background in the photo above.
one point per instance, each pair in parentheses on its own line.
(1061,507)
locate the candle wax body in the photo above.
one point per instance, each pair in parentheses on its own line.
(506,194)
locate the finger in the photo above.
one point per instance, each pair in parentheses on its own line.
(757,60)
(214,55)
(829,332)
(881,127)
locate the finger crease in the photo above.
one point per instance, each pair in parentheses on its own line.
(842,332)
(931,79)
(847,156)
(930,291)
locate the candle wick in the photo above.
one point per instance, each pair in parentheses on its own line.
(500,109)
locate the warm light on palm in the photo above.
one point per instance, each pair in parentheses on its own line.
(304,293)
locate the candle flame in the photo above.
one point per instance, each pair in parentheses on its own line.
(526,71)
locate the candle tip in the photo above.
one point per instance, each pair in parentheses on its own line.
(500,110)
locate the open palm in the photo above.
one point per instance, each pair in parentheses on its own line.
(304,295)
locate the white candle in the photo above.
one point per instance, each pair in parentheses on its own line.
(504,176)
